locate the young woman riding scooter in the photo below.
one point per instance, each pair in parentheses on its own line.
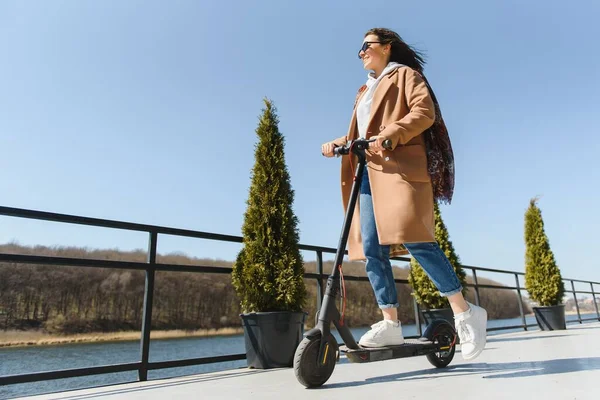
(395,208)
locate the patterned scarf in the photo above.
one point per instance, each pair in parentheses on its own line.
(440,158)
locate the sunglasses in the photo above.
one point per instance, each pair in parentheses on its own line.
(365,46)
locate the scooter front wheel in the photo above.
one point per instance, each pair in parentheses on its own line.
(444,335)
(310,371)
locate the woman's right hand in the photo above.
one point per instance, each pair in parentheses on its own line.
(327,149)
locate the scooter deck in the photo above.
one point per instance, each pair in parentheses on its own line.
(410,348)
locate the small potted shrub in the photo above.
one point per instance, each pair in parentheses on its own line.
(542,275)
(268,273)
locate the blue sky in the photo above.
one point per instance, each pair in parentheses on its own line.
(145,111)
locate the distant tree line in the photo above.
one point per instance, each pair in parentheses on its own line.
(67,300)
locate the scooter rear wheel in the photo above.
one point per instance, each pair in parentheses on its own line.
(445,335)
(309,371)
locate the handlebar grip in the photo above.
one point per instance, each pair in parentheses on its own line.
(343,150)
(340,151)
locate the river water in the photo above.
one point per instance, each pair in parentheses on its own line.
(22,360)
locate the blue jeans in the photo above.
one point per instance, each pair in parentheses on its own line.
(378,266)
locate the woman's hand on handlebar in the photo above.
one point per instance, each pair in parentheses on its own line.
(377,143)
(327,149)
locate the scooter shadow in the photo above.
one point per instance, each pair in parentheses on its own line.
(487,370)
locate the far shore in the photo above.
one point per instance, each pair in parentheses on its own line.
(14,338)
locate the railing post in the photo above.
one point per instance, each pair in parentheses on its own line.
(148,300)
(319,279)
(520,301)
(594,300)
(477,300)
(417,317)
(576,303)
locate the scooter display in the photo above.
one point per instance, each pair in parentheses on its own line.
(317,354)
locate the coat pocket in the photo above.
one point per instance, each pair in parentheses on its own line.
(384,162)
(412,163)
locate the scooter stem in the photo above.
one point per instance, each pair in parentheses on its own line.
(329,313)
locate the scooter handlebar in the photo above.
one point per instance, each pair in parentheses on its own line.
(341,151)
(345,150)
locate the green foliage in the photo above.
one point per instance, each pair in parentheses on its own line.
(268,271)
(542,276)
(424,290)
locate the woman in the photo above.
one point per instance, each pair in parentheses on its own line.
(395,209)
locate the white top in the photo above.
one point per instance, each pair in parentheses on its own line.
(363,109)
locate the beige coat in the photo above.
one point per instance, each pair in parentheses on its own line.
(402,110)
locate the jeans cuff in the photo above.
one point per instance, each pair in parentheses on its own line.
(450,293)
(382,306)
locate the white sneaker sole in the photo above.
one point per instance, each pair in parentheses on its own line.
(474,355)
(377,345)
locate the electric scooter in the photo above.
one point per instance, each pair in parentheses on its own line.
(318,352)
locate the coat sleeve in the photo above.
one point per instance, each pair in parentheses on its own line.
(421,115)
(340,141)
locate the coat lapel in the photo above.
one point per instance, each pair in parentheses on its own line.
(353,131)
(382,88)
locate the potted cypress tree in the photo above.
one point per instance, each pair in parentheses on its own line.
(542,275)
(268,273)
(434,306)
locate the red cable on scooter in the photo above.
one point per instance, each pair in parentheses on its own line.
(342,295)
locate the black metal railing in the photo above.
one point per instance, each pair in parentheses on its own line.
(151,267)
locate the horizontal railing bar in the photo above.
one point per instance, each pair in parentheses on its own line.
(484,286)
(310,247)
(195,361)
(68,373)
(107,223)
(501,328)
(192,268)
(580,281)
(580,291)
(582,320)
(501,271)
(399,258)
(71,262)
(95,263)
(312,275)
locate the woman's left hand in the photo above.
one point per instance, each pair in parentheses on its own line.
(376,145)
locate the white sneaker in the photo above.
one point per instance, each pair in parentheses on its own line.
(471,328)
(383,333)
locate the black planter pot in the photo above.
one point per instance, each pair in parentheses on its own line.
(438,313)
(550,318)
(272,338)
